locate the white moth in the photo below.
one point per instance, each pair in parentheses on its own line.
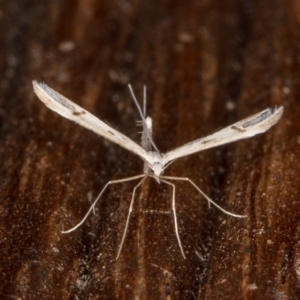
(155,162)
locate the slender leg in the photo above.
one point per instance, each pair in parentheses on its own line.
(203,194)
(100,194)
(128,215)
(175,216)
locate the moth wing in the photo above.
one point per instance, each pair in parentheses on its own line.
(74,112)
(245,128)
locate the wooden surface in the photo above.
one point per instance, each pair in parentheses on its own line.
(206,64)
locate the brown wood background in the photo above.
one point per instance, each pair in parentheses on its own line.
(206,64)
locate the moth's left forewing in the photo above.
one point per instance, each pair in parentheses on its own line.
(262,121)
(245,128)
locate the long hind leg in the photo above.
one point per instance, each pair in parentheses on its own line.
(174,214)
(204,195)
(100,194)
(128,215)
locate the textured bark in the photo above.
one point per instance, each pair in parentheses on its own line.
(206,64)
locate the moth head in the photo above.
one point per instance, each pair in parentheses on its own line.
(156,163)
(157,169)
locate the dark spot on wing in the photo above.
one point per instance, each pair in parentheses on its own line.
(78,113)
(239,129)
(263,116)
(207,141)
(111,133)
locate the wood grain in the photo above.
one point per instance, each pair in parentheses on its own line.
(206,64)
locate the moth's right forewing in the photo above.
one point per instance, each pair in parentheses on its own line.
(74,112)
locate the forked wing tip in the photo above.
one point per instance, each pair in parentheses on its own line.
(39,84)
(36,83)
(277,111)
